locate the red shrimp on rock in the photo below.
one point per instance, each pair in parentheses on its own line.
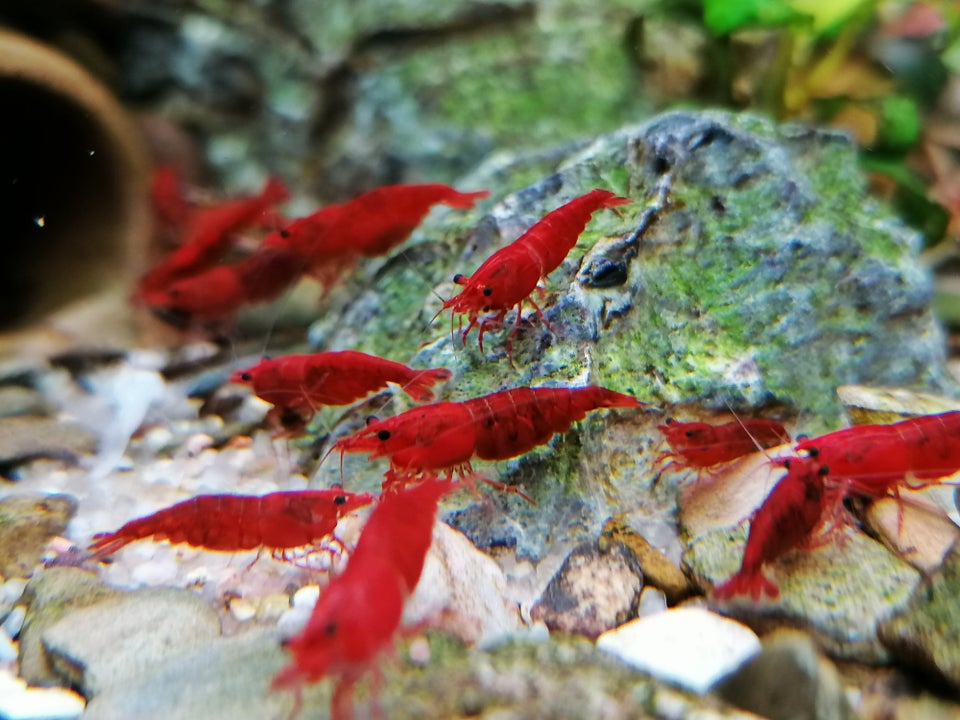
(877,460)
(210,234)
(297,385)
(358,614)
(447,436)
(279,521)
(508,277)
(784,521)
(702,445)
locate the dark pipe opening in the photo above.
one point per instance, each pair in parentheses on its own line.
(72,173)
(60,203)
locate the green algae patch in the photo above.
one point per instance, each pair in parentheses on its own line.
(566,677)
(838,592)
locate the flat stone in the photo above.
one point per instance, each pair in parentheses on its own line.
(19,400)
(27,522)
(221,678)
(927,631)
(689,647)
(135,632)
(788,680)
(29,437)
(49,596)
(592,592)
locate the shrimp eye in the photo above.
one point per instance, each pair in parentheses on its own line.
(690,433)
(370,419)
(246,376)
(383,435)
(339,499)
(330,629)
(824,470)
(813,452)
(284,233)
(669,421)
(458,278)
(786,463)
(488,291)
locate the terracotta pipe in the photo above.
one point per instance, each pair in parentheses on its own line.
(73,214)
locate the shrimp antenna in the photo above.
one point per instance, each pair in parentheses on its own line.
(743,426)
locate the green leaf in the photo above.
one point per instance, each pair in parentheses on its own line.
(910,200)
(829,15)
(725,16)
(900,123)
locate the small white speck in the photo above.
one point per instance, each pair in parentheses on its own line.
(40,221)
(92,153)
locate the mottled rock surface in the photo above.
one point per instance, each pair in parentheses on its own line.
(838,592)
(927,630)
(27,522)
(594,591)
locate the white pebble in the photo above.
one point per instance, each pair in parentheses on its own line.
(306,597)
(8,648)
(18,702)
(159,571)
(12,589)
(198,577)
(14,621)
(293,621)
(419,652)
(156,439)
(652,601)
(242,609)
(690,647)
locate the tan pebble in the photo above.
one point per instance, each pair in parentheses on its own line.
(658,571)
(242,609)
(239,442)
(924,535)
(272,606)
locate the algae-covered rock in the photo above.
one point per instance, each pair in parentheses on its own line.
(751,269)
(838,592)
